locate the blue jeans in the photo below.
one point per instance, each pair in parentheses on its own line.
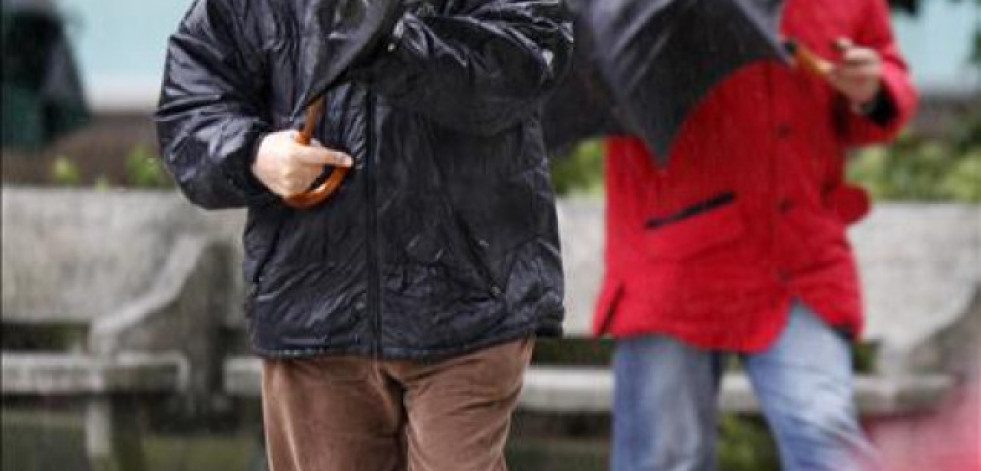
(665,401)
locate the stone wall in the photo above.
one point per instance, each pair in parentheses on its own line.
(920,263)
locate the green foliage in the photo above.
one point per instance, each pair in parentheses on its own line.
(64,171)
(144,170)
(745,445)
(48,337)
(918,168)
(557,454)
(963,182)
(102,182)
(54,439)
(865,357)
(581,170)
(573,350)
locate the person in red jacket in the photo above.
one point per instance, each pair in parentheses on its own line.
(739,247)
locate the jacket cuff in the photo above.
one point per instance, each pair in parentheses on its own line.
(882,109)
(239,174)
(884,124)
(894,103)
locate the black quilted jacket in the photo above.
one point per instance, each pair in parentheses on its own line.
(443,237)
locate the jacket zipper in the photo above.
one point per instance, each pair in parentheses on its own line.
(374,284)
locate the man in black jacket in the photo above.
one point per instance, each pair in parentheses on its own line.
(395,321)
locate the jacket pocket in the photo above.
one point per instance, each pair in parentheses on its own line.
(695,229)
(260,242)
(468,250)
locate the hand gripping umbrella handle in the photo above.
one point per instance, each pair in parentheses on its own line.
(315,196)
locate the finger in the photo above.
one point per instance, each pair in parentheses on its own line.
(282,189)
(857,89)
(307,174)
(300,183)
(322,156)
(836,79)
(867,71)
(843,44)
(294,188)
(842,79)
(303,172)
(853,87)
(860,55)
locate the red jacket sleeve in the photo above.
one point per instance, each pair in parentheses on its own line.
(876,33)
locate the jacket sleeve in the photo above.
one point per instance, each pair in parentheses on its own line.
(210,118)
(480,70)
(898,91)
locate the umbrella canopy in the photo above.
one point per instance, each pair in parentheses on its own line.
(338,34)
(658,58)
(42,92)
(583,105)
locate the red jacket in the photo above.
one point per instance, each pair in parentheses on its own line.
(752,209)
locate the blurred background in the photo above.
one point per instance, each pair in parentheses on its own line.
(89,212)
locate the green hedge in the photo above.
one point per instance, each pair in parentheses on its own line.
(922,169)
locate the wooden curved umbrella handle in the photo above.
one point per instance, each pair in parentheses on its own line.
(315,196)
(808,59)
(311,198)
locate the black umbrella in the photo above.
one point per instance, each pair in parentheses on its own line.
(42,92)
(659,58)
(338,34)
(583,105)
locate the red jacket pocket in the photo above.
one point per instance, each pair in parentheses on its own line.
(695,232)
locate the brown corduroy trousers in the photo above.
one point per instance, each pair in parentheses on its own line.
(341,413)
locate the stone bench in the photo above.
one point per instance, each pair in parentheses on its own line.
(921,267)
(131,288)
(589,389)
(573,390)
